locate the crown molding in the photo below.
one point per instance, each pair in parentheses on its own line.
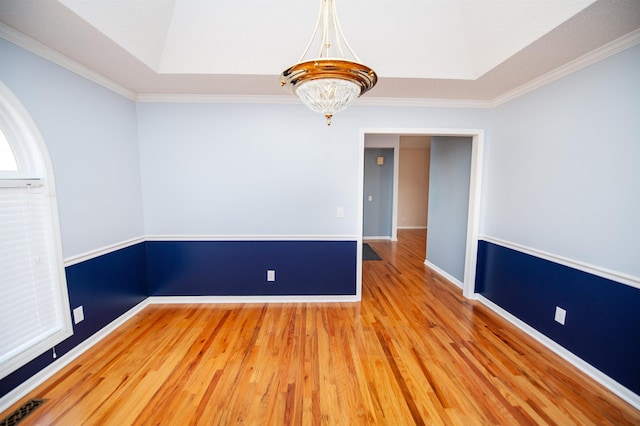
(288,99)
(425,102)
(57,58)
(629,40)
(217,99)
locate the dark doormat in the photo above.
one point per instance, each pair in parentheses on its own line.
(368,253)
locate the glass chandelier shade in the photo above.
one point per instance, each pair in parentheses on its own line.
(326,84)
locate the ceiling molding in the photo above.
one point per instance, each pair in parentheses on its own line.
(57,58)
(218,99)
(629,40)
(425,102)
(287,99)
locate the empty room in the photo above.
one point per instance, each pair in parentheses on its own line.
(319,212)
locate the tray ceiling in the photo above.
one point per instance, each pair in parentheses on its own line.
(432,49)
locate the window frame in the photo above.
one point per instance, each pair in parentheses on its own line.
(34,169)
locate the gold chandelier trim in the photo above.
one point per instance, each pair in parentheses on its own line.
(340,69)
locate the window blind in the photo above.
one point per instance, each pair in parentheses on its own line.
(31,313)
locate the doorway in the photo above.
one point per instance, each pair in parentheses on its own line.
(377,204)
(475,172)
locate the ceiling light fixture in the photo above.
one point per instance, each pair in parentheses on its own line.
(328,84)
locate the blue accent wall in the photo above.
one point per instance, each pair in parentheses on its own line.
(107,287)
(110,285)
(239,268)
(603,317)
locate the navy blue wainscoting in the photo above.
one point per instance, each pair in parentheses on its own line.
(239,268)
(603,317)
(107,287)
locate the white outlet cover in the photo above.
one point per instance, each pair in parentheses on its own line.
(78,315)
(561,315)
(271,275)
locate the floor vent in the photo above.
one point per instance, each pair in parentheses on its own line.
(22,412)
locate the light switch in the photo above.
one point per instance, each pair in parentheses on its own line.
(370,197)
(380,161)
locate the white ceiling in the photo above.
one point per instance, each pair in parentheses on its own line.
(428,49)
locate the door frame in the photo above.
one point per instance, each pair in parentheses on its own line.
(475,189)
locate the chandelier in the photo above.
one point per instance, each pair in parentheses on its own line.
(328,83)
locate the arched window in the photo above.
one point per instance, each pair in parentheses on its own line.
(34,303)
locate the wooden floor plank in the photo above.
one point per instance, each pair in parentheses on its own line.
(414,351)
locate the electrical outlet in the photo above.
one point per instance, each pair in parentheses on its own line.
(340,212)
(78,314)
(561,315)
(271,275)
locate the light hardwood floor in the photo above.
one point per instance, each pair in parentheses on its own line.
(414,351)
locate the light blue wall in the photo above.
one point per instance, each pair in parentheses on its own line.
(91,136)
(449,179)
(378,184)
(563,167)
(235,169)
(560,162)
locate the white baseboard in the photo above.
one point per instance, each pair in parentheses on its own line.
(384,237)
(444,274)
(27,386)
(166,300)
(567,355)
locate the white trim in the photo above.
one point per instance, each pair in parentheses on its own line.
(384,237)
(57,58)
(473,214)
(288,100)
(167,300)
(425,102)
(27,386)
(360,213)
(572,263)
(444,274)
(567,355)
(610,49)
(72,260)
(217,99)
(251,238)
